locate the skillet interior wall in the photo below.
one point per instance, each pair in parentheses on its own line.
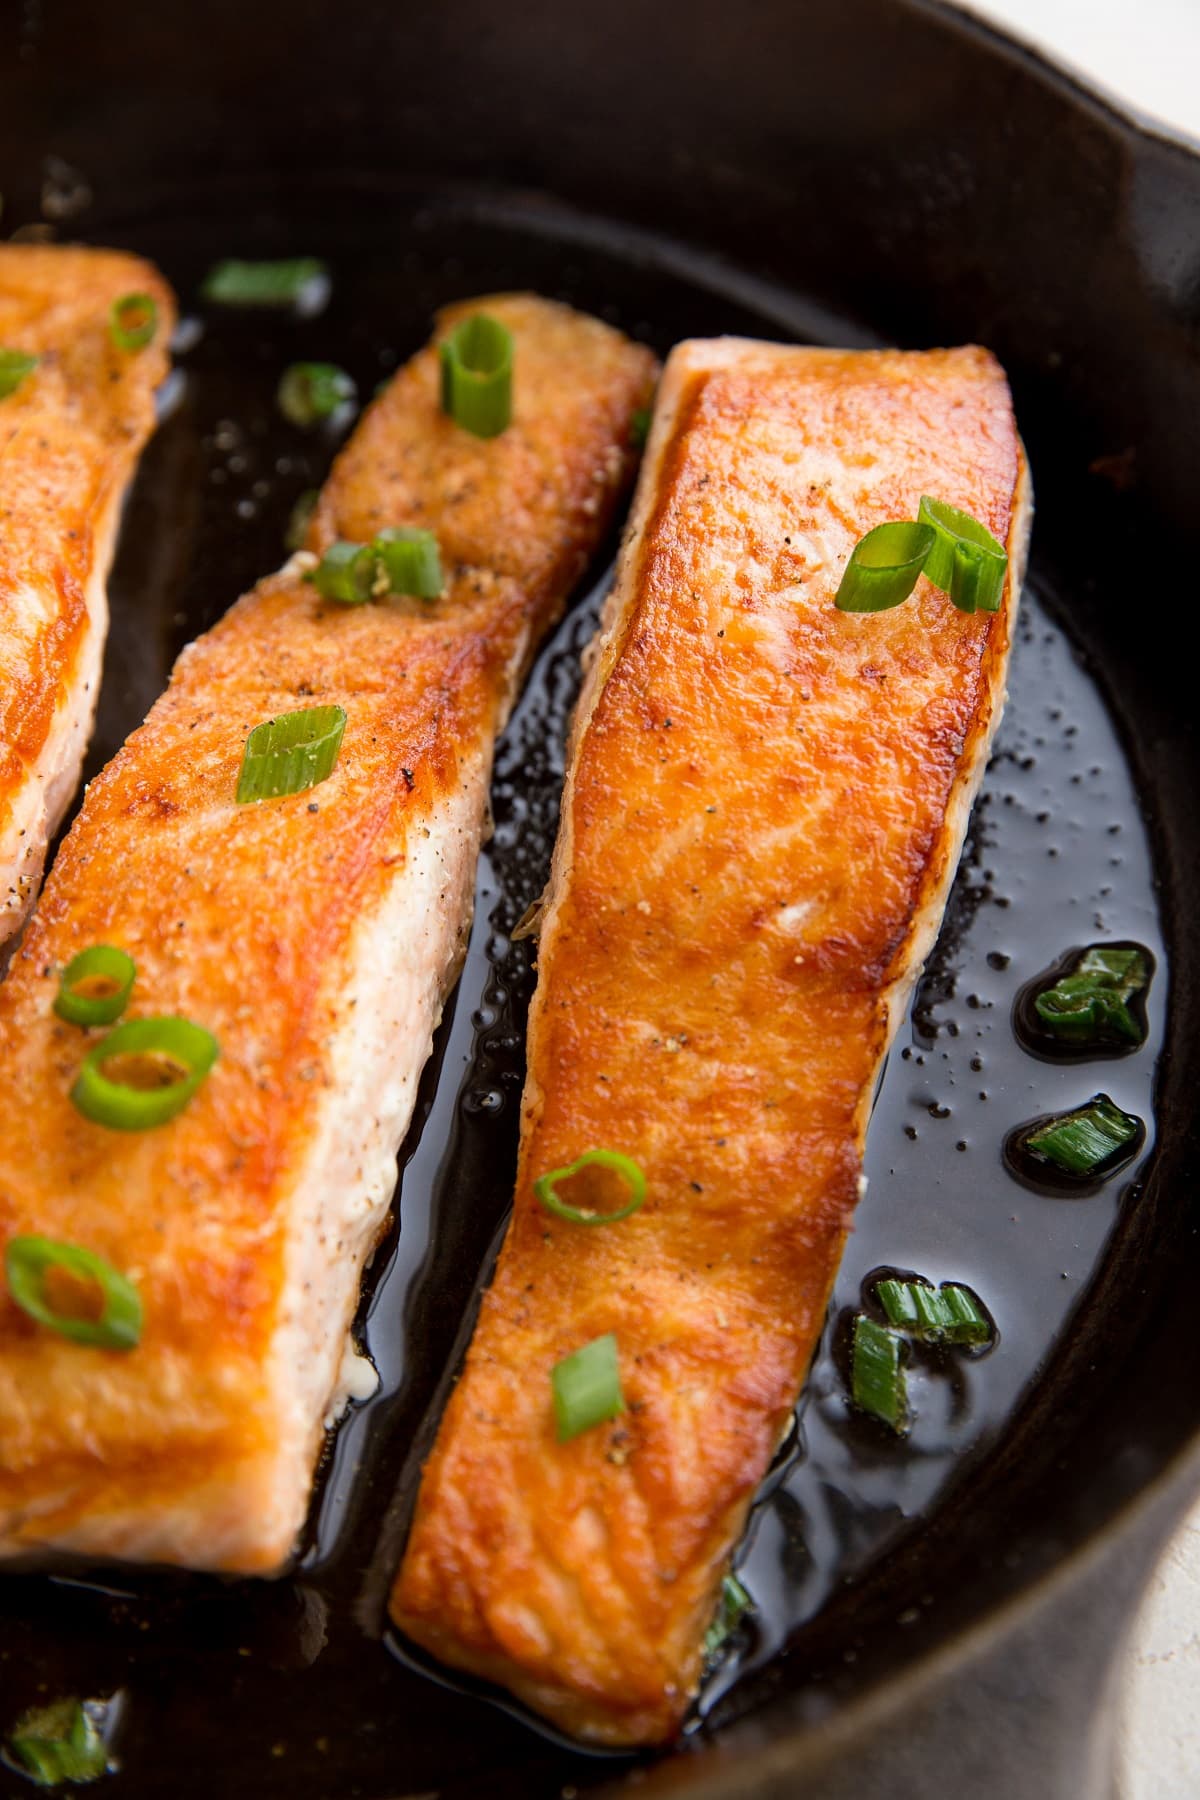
(867,151)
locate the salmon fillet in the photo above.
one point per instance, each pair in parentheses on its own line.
(316,935)
(765,804)
(70,436)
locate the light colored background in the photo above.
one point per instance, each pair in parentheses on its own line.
(1147,53)
(1144,51)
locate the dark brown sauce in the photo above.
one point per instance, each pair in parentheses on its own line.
(287,1689)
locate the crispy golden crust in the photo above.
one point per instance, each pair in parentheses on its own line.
(243,918)
(763,813)
(69,438)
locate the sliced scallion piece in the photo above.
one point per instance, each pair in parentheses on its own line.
(58,1743)
(291,753)
(732,1606)
(884,567)
(299,519)
(477,375)
(587,1388)
(309,392)
(1121,966)
(969,1324)
(299,282)
(639,430)
(95,986)
(28,1264)
(1079,1013)
(876,1376)
(635,1182)
(1092,1002)
(345,573)
(15,365)
(935,1315)
(1082,1141)
(965,561)
(410,561)
(143,1073)
(133,321)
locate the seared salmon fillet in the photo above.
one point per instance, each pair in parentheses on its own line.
(315,935)
(71,431)
(765,804)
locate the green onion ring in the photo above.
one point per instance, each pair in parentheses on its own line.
(28,1261)
(877,1379)
(346,573)
(291,753)
(884,567)
(587,1388)
(133,321)
(932,1314)
(57,1743)
(173,1044)
(1087,1139)
(410,560)
(103,966)
(300,282)
(299,519)
(733,1604)
(15,365)
(966,561)
(310,392)
(477,375)
(1090,1003)
(624,1166)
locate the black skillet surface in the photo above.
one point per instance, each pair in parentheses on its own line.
(855,172)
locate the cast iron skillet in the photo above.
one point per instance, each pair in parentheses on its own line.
(849,171)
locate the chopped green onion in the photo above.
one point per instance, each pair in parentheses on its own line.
(301,282)
(133,321)
(732,1606)
(1092,1001)
(933,1314)
(1120,967)
(345,573)
(884,567)
(587,1387)
(299,519)
(27,1263)
(639,428)
(876,1378)
(143,1073)
(1086,1014)
(1082,1141)
(966,561)
(410,561)
(291,753)
(58,1743)
(477,375)
(400,560)
(95,986)
(15,365)
(898,1302)
(311,391)
(624,1166)
(969,1324)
